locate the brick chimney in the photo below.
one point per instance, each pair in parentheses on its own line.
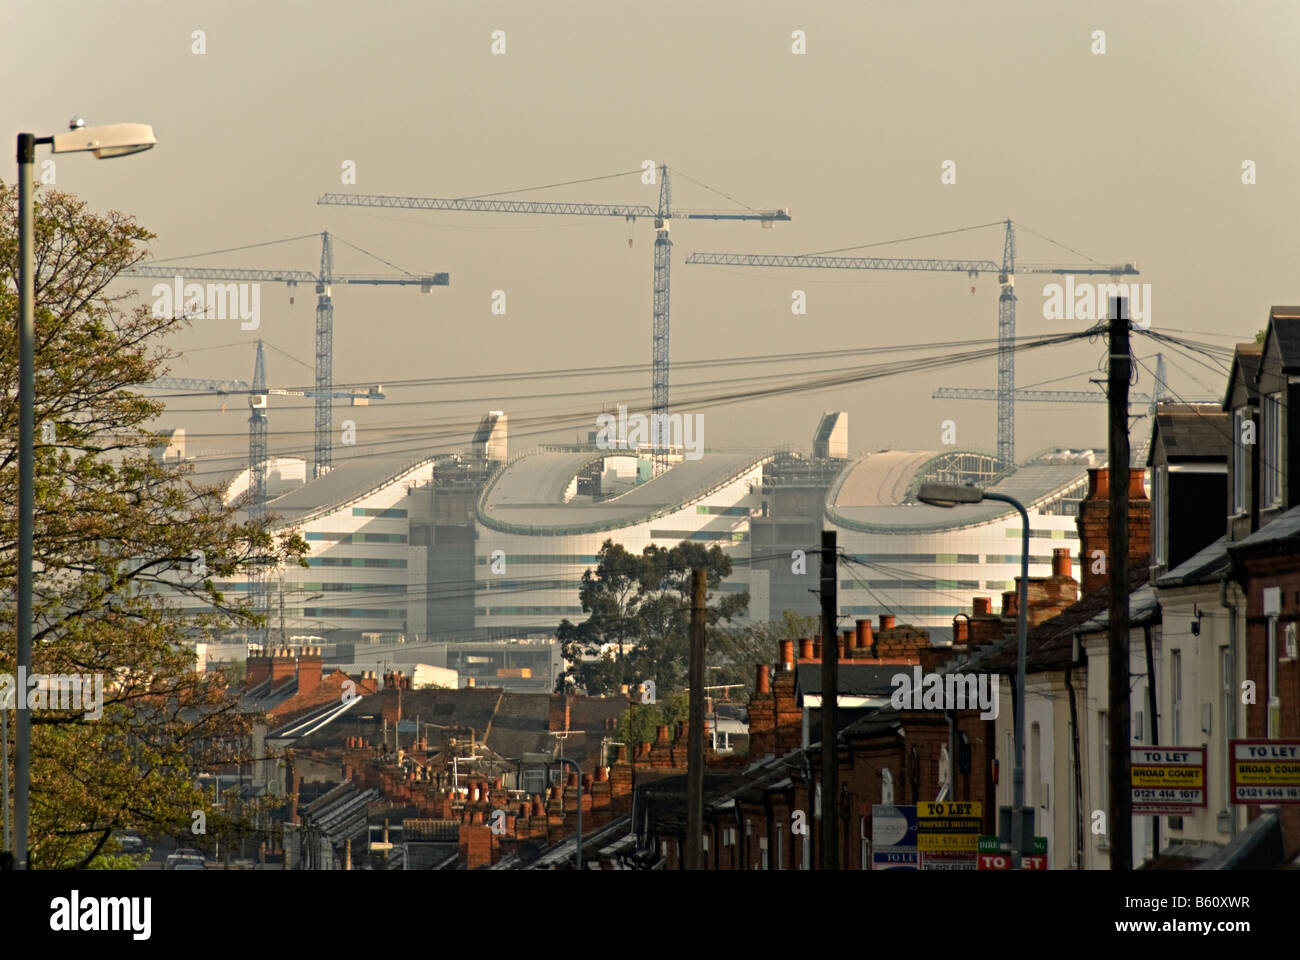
(309,669)
(558,717)
(1094,527)
(258,667)
(282,667)
(984,625)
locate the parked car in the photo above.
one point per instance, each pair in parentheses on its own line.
(186,858)
(131,843)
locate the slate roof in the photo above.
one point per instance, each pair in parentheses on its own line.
(1281,535)
(512,723)
(1205,566)
(852,679)
(1287,333)
(1245,366)
(1051,644)
(1191,432)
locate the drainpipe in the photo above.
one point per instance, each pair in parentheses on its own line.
(1078,769)
(1230,721)
(1154,725)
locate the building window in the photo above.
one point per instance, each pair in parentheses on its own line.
(1270,468)
(1240,467)
(1176,694)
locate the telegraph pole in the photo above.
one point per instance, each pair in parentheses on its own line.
(1121,816)
(830,690)
(695,727)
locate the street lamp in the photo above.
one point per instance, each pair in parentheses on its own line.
(547,758)
(950,495)
(116,140)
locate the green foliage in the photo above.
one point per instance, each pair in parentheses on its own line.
(737,651)
(638,723)
(1259,337)
(640,610)
(115,531)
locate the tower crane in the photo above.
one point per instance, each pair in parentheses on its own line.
(258,394)
(662,215)
(1006,272)
(324,279)
(1159,394)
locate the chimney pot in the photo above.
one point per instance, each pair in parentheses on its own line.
(1061,562)
(764,682)
(886,622)
(661,733)
(787,654)
(1136,487)
(817,648)
(982,605)
(865,639)
(806,648)
(960,631)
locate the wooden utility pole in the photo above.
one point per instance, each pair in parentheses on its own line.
(1121,815)
(695,745)
(830,689)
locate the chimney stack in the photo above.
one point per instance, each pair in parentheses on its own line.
(1093,524)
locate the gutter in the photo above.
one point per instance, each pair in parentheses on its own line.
(1078,767)
(1230,721)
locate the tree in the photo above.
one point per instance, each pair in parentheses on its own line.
(739,649)
(116,536)
(643,602)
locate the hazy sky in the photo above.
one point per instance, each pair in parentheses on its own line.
(1134,155)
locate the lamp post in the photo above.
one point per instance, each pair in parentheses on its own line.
(950,495)
(117,140)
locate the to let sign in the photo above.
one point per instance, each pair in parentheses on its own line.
(1167,779)
(947,834)
(993,857)
(1265,771)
